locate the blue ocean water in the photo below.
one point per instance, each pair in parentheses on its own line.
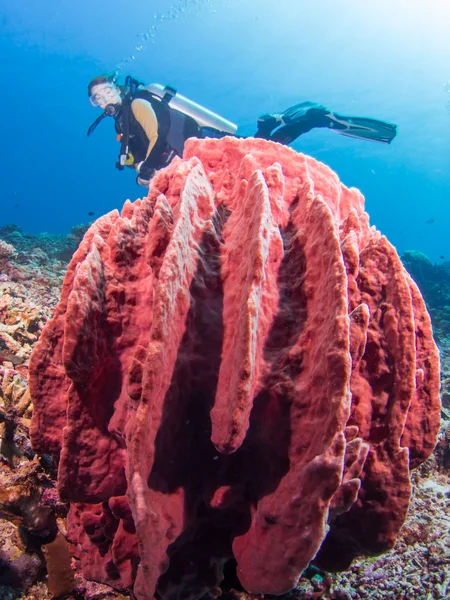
(388,59)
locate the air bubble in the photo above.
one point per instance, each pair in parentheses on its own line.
(181,9)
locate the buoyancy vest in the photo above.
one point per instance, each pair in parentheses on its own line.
(174,128)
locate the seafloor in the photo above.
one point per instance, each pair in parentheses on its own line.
(31,274)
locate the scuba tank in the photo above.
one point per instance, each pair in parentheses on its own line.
(203,116)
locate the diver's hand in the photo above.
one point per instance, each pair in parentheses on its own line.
(145,174)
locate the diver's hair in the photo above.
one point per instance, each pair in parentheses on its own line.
(100,79)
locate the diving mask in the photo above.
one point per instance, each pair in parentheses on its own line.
(104,94)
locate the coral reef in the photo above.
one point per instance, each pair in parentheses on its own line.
(42,248)
(433,280)
(31,514)
(239,366)
(22,317)
(6,250)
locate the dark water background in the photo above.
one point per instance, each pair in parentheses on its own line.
(385,59)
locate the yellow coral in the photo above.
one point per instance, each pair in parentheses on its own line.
(14,393)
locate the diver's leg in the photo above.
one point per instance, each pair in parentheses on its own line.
(266,124)
(295,121)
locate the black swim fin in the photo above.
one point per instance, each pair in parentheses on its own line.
(363,128)
(301,118)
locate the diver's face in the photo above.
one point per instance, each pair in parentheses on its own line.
(104,94)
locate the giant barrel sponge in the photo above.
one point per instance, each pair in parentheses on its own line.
(240,370)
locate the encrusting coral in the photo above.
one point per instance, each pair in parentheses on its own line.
(22,317)
(6,250)
(239,368)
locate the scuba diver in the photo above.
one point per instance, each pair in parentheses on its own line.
(153,123)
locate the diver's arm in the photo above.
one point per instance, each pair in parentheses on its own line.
(145,116)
